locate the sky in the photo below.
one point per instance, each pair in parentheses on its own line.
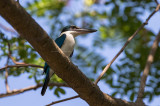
(34,98)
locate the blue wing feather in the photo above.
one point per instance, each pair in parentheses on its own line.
(46,66)
(59,41)
(45,82)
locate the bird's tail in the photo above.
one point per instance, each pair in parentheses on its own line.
(45,83)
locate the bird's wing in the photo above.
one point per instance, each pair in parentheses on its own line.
(60,40)
(46,66)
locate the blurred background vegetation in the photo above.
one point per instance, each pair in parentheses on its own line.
(115,21)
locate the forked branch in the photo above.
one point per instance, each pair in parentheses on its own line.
(147,68)
(128,41)
(17,64)
(21,65)
(14,92)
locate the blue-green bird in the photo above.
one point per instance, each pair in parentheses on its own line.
(66,41)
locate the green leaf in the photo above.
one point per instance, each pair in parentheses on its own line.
(62,90)
(132,96)
(56,92)
(30,76)
(114,94)
(59,90)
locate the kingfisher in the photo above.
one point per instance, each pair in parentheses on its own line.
(66,42)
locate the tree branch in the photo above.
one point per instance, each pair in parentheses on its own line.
(55,102)
(10,53)
(147,69)
(156,2)
(6,81)
(6,77)
(18,64)
(52,54)
(121,50)
(128,41)
(21,65)
(14,92)
(8,29)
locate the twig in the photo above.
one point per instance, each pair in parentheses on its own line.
(6,77)
(14,92)
(6,81)
(15,62)
(62,100)
(121,50)
(157,8)
(147,68)
(128,41)
(21,65)
(9,48)
(8,29)
(10,53)
(156,2)
(18,64)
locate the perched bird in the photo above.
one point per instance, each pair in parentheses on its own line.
(66,42)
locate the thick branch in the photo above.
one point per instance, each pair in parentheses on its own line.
(121,50)
(14,92)
(47,48)
(147,68)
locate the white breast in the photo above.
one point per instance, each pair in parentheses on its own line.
(68,45)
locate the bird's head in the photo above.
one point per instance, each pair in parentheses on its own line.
(75,31)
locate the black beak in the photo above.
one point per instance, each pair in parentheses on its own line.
(84,31)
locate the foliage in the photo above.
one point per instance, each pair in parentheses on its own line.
(116,20)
